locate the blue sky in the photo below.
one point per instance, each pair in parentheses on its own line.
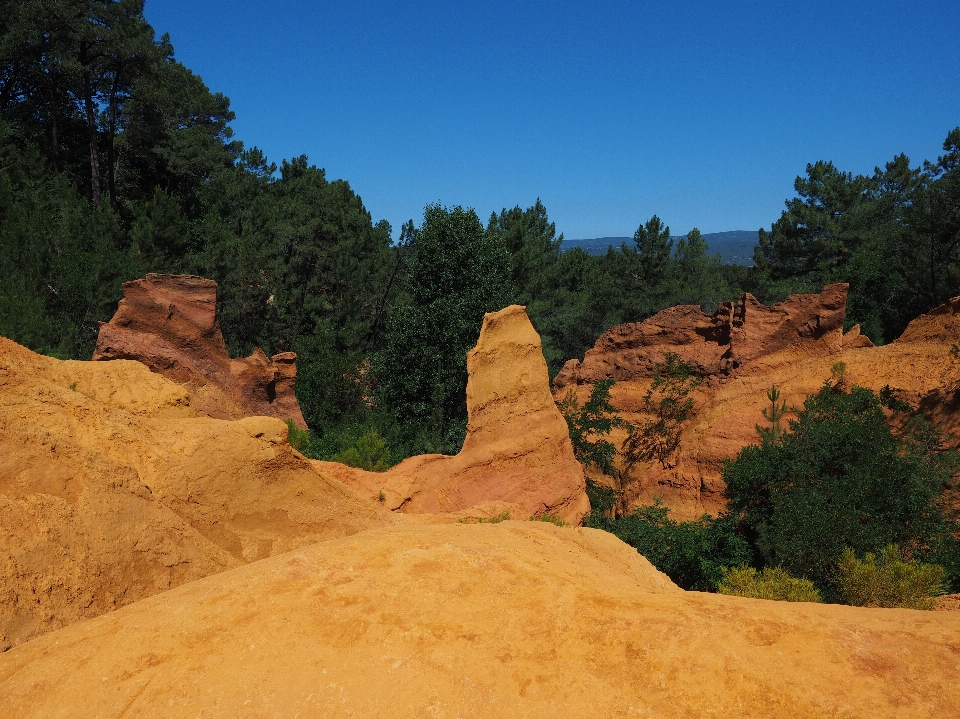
(700,112)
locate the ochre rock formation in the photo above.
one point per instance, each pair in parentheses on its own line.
(517,447)
(793,345)
(518,619)
(169,323)
(112,489)
(738,333)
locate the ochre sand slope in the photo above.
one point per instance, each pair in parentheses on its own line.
(112,490)
(518,619)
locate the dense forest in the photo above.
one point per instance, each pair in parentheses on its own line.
(116,160)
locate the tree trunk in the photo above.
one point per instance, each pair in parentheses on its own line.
(54,135)
(95,191)
(111,137)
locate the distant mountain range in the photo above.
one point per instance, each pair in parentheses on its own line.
(734,247)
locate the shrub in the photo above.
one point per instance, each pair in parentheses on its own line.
(551,518)
(841,477)
(298,438)
(603,500)
(772,583)
(370,453)
(886,579)
(692,554)
(495,519)
(668,404)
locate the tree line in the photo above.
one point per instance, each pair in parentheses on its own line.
(117,160)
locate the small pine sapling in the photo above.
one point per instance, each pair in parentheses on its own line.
(773,415)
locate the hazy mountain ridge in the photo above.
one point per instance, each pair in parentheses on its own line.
(735,247)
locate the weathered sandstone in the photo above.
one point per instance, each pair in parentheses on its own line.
(517,448)
(792,345)
(169,323)
(738,333)
(518,619)
(112,489)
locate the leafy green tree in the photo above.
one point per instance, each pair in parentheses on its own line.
(774,415)
(654,248)
(590,423)
(937,217)
(570,323)
(534,249)
(62,264)
(699,278)
(454,274)
(668,404)
(842,478)
(304,271)
(893,236)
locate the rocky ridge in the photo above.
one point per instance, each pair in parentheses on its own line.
(515,619)
(739,333)
(113,489)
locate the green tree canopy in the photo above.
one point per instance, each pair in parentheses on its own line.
(841,478)
(455,273)
(894,236)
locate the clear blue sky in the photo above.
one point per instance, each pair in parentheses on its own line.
(700,112)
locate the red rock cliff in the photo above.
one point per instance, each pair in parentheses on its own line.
(169,323)
(742,351)
(738,333)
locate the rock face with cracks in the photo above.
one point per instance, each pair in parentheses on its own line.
(738,333)
(517,447)
(793,345)
(169,323)
(518,619)
(112,489)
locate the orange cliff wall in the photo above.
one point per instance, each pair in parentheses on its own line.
(742,351)
(113,489)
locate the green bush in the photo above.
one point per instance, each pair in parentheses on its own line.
(299,439)
(495,519)
(842,477)
(590,423)
(668,405)
(772,583)
(692,554)
(370,453)
(551,518)
(887,579)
